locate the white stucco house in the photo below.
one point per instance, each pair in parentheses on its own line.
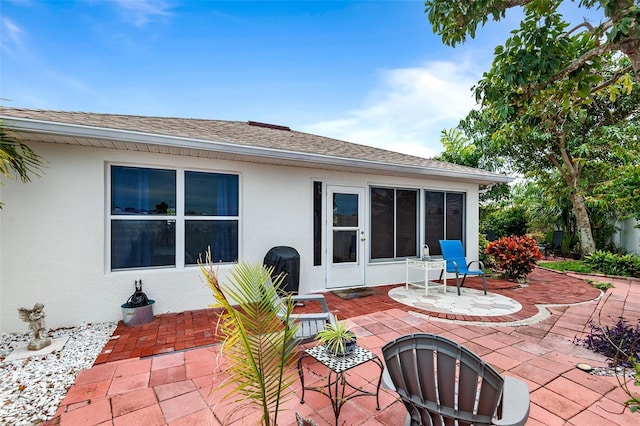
(124,198)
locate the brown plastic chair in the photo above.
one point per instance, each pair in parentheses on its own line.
(443,383)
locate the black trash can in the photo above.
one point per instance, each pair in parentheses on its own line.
(285,260)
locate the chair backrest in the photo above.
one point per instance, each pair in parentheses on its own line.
(452,251)
(309,326)
(440,381)
(556,241)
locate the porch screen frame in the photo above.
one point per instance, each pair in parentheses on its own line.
(445,215)
(389,231)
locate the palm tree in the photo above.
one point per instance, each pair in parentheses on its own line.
(259,344)
(16,156)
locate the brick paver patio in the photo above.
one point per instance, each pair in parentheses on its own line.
(173,387)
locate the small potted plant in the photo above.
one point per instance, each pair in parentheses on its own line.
(337,338)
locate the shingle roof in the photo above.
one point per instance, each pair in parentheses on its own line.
(241,134)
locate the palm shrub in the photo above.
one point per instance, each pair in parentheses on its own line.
(614,264)
(337,338)
(259,344)
(515,256)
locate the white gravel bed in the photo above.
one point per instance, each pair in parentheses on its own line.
(31,389)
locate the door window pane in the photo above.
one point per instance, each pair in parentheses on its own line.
(345,246)
(210,194)
(220,235)
(345,209)
(142,243)
(140,191)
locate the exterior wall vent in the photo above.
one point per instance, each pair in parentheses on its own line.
(268,126)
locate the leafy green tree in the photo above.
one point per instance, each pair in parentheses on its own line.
(546,208)
(506,222)
(543,112)
(459,149)
(619,189)
(619,32)
(16,157)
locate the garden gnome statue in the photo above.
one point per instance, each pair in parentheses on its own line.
(35,318)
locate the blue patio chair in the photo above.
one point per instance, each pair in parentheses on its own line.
(443,383)
(453,253)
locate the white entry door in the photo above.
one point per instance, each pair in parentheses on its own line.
(345,236)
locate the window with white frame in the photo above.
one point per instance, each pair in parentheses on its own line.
(169,217)
(394,223)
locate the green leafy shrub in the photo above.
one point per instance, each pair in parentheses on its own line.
(515,256)
(483,243)
(614,264)
(511,221)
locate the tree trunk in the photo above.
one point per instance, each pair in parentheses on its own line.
(631,48)
(571,173)
(583,224)
(630,42)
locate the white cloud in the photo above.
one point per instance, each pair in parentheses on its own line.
(408,109)
(144,11)
(13,35)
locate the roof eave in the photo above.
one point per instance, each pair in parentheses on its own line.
(91,132)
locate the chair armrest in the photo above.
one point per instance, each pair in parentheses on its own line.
(479,262)
(455,265)
(515,403)
(387,383)
(317,316)
(312,298)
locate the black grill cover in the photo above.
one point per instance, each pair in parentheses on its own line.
(285,260)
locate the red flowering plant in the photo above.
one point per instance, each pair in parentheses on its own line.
(515,256)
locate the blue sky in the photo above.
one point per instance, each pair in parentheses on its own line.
(369,72)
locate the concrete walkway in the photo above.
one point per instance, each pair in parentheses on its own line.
(175,388)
